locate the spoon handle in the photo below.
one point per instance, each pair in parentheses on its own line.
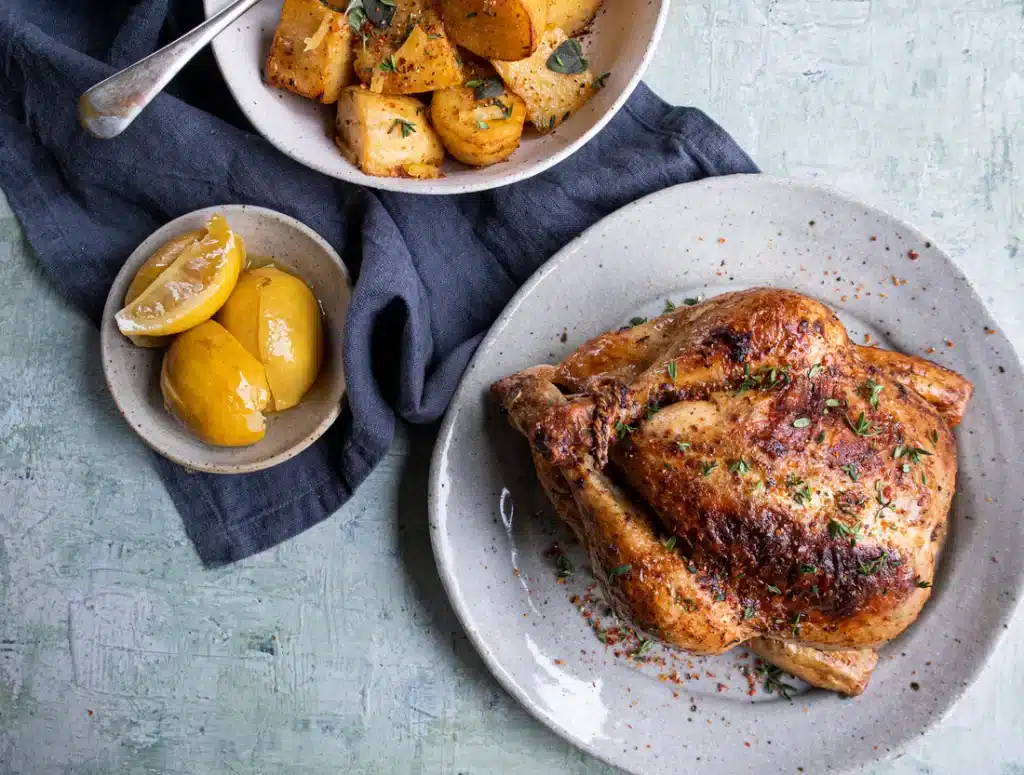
(109,107)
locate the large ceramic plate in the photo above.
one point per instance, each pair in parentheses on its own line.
(491,524)
(621,41)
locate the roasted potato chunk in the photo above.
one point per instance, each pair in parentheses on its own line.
(412,56)
(387,135)
(475,131)
(550,96)
(312,51)
(496,29)
(572,16)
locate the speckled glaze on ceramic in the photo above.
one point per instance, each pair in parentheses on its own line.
(621,41)
(133,373)
(491,524)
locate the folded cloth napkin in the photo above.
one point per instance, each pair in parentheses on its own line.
(433,272)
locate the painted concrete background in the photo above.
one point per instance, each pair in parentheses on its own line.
(338,652)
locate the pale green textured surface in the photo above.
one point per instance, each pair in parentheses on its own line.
(337,652)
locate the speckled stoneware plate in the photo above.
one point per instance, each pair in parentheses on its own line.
(621,41)
(491,523)
(133,373)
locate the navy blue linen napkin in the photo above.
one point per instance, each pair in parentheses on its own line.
(433,272)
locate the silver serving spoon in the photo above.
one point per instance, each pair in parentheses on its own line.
(109,107)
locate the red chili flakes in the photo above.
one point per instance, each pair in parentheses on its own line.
(90,712)
(930,350)
(867,338)
(913,255)
(515,571)
(882,295)
(721,240)
(842,298)
(989,331)
(747,742)
(559,661)
(949,343)
(873,238)
(898,281)
(721,688)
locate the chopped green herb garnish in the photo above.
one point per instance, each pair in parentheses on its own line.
(637,321)
(764,378)
(669,306)
(683,445)
(622,430)
(820,437)
(379,12)
(671,369)
(691,302)
(801,493)
(914,453)
(482,125)
(486,88)
(774,590)
(748,613)
(652,409)
(808,569)
(851,471)
(568,58)
(814,371)
(388,65)
(739,466)
(832,403)
(838,529)
(922,584)
(646,644)
(801,422)
(871,392)
(669,543)
(599,82)
(881,562)
(471,14)
(773,683)
(933,436)
(407,127)
(614,573)
(862,427)
(356,16)
(706,467)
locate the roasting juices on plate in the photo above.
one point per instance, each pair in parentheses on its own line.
(740,472)
(242,339)
(486,67)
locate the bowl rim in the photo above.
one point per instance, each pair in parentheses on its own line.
(108,329)
(436,187)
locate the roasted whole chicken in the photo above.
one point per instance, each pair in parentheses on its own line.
(740,472)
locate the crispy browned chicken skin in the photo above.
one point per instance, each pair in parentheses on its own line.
(740,472)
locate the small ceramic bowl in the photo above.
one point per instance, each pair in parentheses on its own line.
(133,373)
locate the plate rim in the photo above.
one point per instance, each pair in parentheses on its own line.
(429,187)
(989,643)
(108,329)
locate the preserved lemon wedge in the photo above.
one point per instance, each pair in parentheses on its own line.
(191,289)
(153,268)
(215,387)
(276,317)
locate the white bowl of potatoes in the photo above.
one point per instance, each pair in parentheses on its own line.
(435,96)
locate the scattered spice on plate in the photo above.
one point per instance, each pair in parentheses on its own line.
(913,255)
